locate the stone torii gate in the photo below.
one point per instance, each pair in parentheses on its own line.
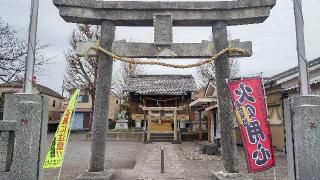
(163,16)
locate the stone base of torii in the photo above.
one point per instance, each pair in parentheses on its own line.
(163,16)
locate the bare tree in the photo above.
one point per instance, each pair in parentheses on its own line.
(207,72)
(82,72)
(121,78)
(13,53)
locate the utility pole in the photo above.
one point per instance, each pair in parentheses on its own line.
(28,78)
(302,60)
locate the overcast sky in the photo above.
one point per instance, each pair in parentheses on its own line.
(274,46)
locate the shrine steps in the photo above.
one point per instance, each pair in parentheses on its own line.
(161,136)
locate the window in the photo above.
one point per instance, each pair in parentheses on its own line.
(117,101)
(54,103)
(83,98)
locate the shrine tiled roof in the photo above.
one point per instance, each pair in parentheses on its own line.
(161,84)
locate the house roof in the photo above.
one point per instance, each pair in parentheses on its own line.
(291,71)
(161,84)
(42,89)
(211,83)
(203,102)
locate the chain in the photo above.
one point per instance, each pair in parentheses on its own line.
(140,62)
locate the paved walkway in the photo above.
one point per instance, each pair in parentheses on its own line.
(137,161)
(183,161)
(150,161)
(148,165)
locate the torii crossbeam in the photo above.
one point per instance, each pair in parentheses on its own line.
(141,13)
(163,16)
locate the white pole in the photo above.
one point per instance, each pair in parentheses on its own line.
(31,46)
(302,60)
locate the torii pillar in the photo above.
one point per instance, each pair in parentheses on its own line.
(101,108)
(163,16)
(225,111)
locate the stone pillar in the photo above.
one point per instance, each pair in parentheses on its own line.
(149,124)
(101,108)
(288,112)
(25,122)
(302,139)
(200,125)
(175,135)
(212,127)
(217,135)
(226,117)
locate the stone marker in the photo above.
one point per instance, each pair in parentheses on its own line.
(302,139)
(23,137)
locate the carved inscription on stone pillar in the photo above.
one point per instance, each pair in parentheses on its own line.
(162,29)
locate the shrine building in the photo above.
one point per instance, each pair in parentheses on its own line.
(160,103)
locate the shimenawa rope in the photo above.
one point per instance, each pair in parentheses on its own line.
(140,62)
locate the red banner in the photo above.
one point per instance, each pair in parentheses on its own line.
(250,108)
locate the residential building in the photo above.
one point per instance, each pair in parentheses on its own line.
(206,105)
(55,99)
(285,85)
(84,110)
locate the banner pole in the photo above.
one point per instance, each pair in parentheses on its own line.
(265,96)
(74,110)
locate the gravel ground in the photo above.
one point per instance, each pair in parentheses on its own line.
(134,161)
(204,166)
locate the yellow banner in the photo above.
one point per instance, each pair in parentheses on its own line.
(56,150)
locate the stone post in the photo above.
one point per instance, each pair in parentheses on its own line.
(175,135)
(101,108)
(217,135)
(288,112)
(225,113)
(149,124)
(200,125)
(212,127)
